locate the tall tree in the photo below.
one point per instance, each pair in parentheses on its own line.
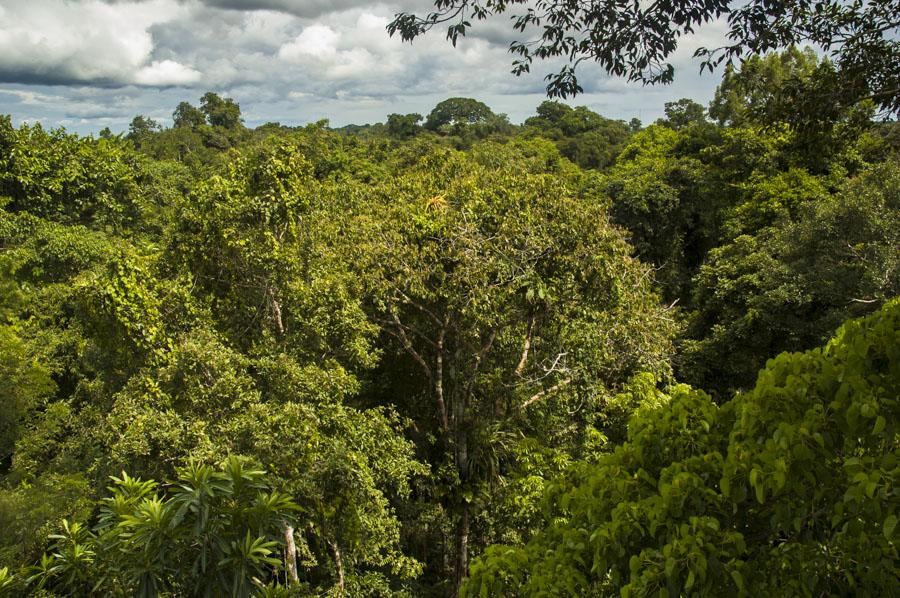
(515,304)
(142,127)
(453,111)
(824,258)
(403,126)
(186,115)
(220,112)
(683,113)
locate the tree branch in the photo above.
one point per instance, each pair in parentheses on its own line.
(526,347)
(538,396)
(400,334)
(439,378)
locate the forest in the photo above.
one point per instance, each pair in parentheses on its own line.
(448,355)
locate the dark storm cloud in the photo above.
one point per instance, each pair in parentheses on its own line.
(309,9)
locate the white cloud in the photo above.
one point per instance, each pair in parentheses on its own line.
(31,98)
(94,42)
(319,41)
(161,73)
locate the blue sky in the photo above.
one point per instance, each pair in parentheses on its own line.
(89,64)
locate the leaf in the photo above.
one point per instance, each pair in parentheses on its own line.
(738,579)
(890,524)
(670,567)
(690,581)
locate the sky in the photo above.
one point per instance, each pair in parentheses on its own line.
(90,64)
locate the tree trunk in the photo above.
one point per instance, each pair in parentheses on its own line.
(462,547)
(276,311)
(290,555)
(462,468)
(439,380)
(339,565)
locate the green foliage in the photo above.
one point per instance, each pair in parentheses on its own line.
(220,112)
(443,345)
(658,194)
(683,113)
(24,383)
(140,128)
(789,285)
(795,88)
(213,532)
(30,511)
(186,115)
(789,488)
(75,180)
(403,126)
(583,136)
(136,338)
(744,95)
(255,241)
(509,303)
(458,111)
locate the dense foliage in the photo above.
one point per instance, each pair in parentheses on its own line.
(304,361)
(788,489)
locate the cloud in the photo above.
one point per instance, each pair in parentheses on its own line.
(309,9)
(306,9)
(319,41)
(27,97)
(166,72)
(293,61)
(59,42)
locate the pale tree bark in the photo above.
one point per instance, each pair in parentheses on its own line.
(339,565)
(276,311)
(462,548)
(526,348)
(290,554)
(540,395)
(439,379)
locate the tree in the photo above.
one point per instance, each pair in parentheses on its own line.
(403,126)
(743,95)
(682,113)
(658,192)
(220,112)
(76,180)
(794,89)
(635,40)
(142,126)
(511,307)
(457,111)
(148,373)
(786,489)
(24,382)
(581,135)
(186,115)
(141,129)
